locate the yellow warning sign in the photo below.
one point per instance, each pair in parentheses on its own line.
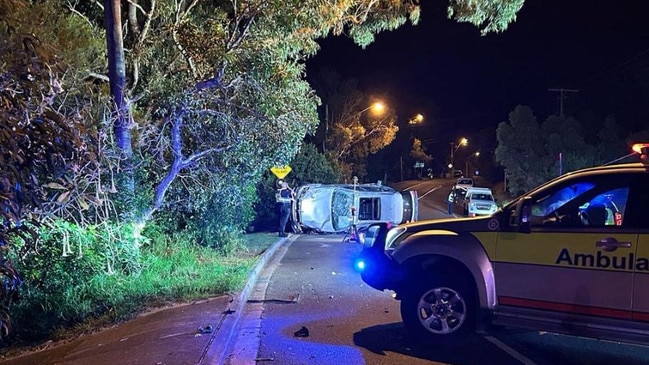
(280,172)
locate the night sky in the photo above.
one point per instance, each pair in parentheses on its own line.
(463,82)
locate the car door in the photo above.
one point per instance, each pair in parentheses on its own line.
(640,216)
(570,268)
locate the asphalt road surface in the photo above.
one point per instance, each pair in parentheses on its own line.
(311,307)
(315,309)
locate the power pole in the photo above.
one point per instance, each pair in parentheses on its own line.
(562,96)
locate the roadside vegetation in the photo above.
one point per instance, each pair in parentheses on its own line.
(135,149)
(80,286)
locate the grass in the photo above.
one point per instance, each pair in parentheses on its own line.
(172,272)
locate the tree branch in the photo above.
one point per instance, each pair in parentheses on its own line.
(179,162)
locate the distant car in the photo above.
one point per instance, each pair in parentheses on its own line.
(464,183)
(327,208)
(479,201)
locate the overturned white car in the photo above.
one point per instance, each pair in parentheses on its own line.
(334,208)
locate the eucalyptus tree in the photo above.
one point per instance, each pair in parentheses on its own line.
(533,153)
(521,150)
(216,89)
(219,85)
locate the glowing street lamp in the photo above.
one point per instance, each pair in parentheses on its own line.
(454,148)
(377,108)
(416,119)
(476,154)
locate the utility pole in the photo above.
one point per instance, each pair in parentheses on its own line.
(324,142)
(562,96)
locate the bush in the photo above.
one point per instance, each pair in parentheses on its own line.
(58,268)
(308,166)
(76,277)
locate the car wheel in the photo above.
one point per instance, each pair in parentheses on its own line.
(439,312)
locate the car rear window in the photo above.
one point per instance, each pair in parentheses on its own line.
(481,197)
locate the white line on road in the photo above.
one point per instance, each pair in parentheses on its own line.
(513,353)
(430,191)
(413,186)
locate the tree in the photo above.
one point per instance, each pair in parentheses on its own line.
(353,129)
(205,97)
(311,166)
(520,150)
(418,154)
(532,154)
(121,115)
(491,15)
(611,141)
(244,85)
(565,146)
(47,152)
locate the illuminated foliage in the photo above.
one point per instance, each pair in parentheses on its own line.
(418,152)
(490,15)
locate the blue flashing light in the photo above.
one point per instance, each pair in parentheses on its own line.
(359,265)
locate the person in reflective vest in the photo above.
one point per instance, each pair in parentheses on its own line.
(450,201)
(284,198)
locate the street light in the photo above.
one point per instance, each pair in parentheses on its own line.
(466,171)
(418,118)
(377,108)
(454,148)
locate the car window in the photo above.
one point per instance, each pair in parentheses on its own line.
(369,209)
(597,202)
(481,197)
(606,209)
(548,204)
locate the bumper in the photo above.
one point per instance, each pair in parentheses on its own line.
(377,269)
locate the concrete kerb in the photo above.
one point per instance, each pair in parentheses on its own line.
(221,343)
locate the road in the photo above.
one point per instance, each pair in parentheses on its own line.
(311,307)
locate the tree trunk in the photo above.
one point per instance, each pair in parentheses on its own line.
(121,115)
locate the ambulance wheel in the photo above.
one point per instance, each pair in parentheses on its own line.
(442,311)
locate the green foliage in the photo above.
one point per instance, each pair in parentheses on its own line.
(216,96)
(418,153)
(308,166)
(58,267)
(311,166)
(532,154)
(490,15)
(68,285)
(353,129)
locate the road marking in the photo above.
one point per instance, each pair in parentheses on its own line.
(413,186)
(430,191)
(513,353)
